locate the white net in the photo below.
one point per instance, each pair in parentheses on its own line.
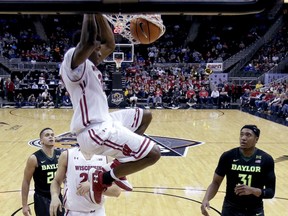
(121,23)
(118,62)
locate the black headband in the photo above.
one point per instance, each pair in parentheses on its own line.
(254,128)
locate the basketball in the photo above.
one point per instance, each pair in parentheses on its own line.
(144,31)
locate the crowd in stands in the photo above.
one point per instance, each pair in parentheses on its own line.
(44,90)
(185,82)
(36,38)
(271,101)
(47,37)
(171,87)
(271,54)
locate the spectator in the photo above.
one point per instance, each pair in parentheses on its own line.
(246,85)
(203,95)
(17,82)
(175,97)
(52,79)
(44,86)
(66,100)
(259,85)
(214,97)
(224,99)
(254,95)
(58,95)
(191,97)
(10,88)
(2,87)
(34,86)
(283,112)
(19,100)
(150,97)
(158,97)
(31,100)
(245,98)
(41,79)
(262,104)
(39,101)
(234,92)
(30,81)
(45,94)
(48,101)
(131,96)
(273,106)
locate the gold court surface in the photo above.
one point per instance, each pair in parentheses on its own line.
(176,184)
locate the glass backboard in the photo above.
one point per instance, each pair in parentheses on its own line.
(126,49)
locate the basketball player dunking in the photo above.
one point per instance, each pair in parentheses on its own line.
(98,131)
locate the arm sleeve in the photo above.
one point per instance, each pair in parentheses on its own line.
(221,168)
(269,190)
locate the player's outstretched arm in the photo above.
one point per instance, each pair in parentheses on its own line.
(106,37)
(210,193)
(28,173)
(88,42)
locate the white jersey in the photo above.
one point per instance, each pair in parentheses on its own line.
(77,172)
(84,84)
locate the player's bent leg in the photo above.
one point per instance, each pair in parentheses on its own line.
(128,168)
(146,120)
(138,152)
(154,155)
(135,153)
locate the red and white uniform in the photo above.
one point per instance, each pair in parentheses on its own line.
(97,130)
(84,85)
(77,172)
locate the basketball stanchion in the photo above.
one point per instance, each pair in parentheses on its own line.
(116,97)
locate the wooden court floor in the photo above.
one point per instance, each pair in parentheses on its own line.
(176,184)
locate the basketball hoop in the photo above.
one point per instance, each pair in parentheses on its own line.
(118,62)
(121,23)
(118,58)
